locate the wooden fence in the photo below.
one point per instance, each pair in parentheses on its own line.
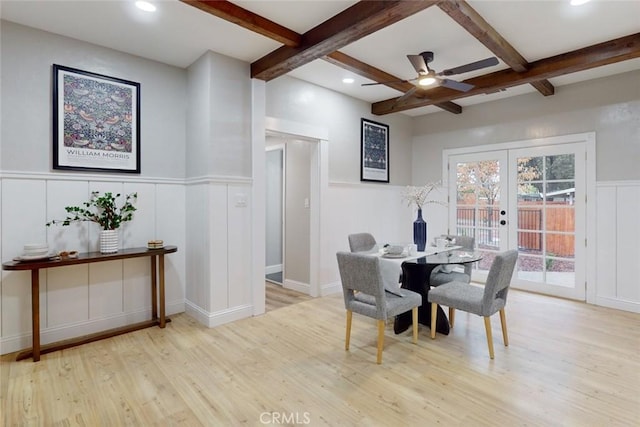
(559,218)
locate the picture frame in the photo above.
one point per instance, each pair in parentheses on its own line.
(96,122)
(374,151)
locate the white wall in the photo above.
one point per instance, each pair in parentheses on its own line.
(27,58)
(218,197)
(297,101)
(87,298)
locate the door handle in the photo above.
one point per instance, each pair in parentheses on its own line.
(503,222)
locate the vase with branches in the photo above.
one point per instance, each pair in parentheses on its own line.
(104,211)
(418,196)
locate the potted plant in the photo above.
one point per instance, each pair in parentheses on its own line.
(102,210)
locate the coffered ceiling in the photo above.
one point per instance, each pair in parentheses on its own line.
(540,45)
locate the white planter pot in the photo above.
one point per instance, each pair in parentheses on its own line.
(108,241)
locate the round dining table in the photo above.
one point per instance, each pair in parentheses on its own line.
(415,277)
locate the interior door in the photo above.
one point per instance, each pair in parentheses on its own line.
(529,199)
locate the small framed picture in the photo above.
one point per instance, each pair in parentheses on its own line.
(374,151)
(96,122)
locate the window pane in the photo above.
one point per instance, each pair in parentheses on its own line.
(530,243)
(560,272)
(561,245)
(529,168)
(466,216)
(561,218)
(487,238)
(530,218)
(561,166)
(530,268)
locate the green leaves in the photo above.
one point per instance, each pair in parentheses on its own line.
(101,210)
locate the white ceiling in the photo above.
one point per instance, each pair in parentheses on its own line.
(178,34)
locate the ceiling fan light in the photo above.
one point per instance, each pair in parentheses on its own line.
(146,6)
(427,80)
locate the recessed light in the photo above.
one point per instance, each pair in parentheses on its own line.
(347,80)
(146,6)
(578,2)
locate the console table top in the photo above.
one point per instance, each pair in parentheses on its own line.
(88,257)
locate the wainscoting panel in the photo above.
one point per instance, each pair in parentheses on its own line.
(78,300)
(628,247)
(220,236)
(23,219)
(74,236)
(170,226)
(218,252)
(106,289)
(67,295)
(617,250)
(239,244)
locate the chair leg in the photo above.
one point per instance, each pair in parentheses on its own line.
(487,327)
(452,315)
(434,315)
(503,322)
(414,316)
(380,340)
(348,337)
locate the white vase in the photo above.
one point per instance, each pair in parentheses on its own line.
(108,241)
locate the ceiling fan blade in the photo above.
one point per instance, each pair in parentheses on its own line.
(452,84)
(484,63)
(387,82)
(418,63)
(407,94)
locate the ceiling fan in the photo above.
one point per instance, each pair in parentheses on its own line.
(428,77)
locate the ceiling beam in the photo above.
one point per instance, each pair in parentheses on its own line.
(600,54)
(353,23)
(469,19)
(247,19)
(372,73)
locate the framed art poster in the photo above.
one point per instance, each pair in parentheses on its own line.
(96,122)
(374,151)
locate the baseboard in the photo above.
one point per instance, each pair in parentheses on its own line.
(331,288)
(270,269)
(219,317)
(23,341)
(305,288)
(609,302)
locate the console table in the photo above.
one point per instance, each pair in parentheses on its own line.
(157,287)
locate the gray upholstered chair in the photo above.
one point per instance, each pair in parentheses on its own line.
(483,302)
(460,273)
(364,294)
(362,242)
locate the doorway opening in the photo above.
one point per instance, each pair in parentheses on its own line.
(274,211)
(291,168)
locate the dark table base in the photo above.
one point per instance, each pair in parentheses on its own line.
(415,277)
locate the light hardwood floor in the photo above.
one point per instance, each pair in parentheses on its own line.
(277,297)
(568,364)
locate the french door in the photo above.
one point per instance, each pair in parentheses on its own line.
(530,199)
